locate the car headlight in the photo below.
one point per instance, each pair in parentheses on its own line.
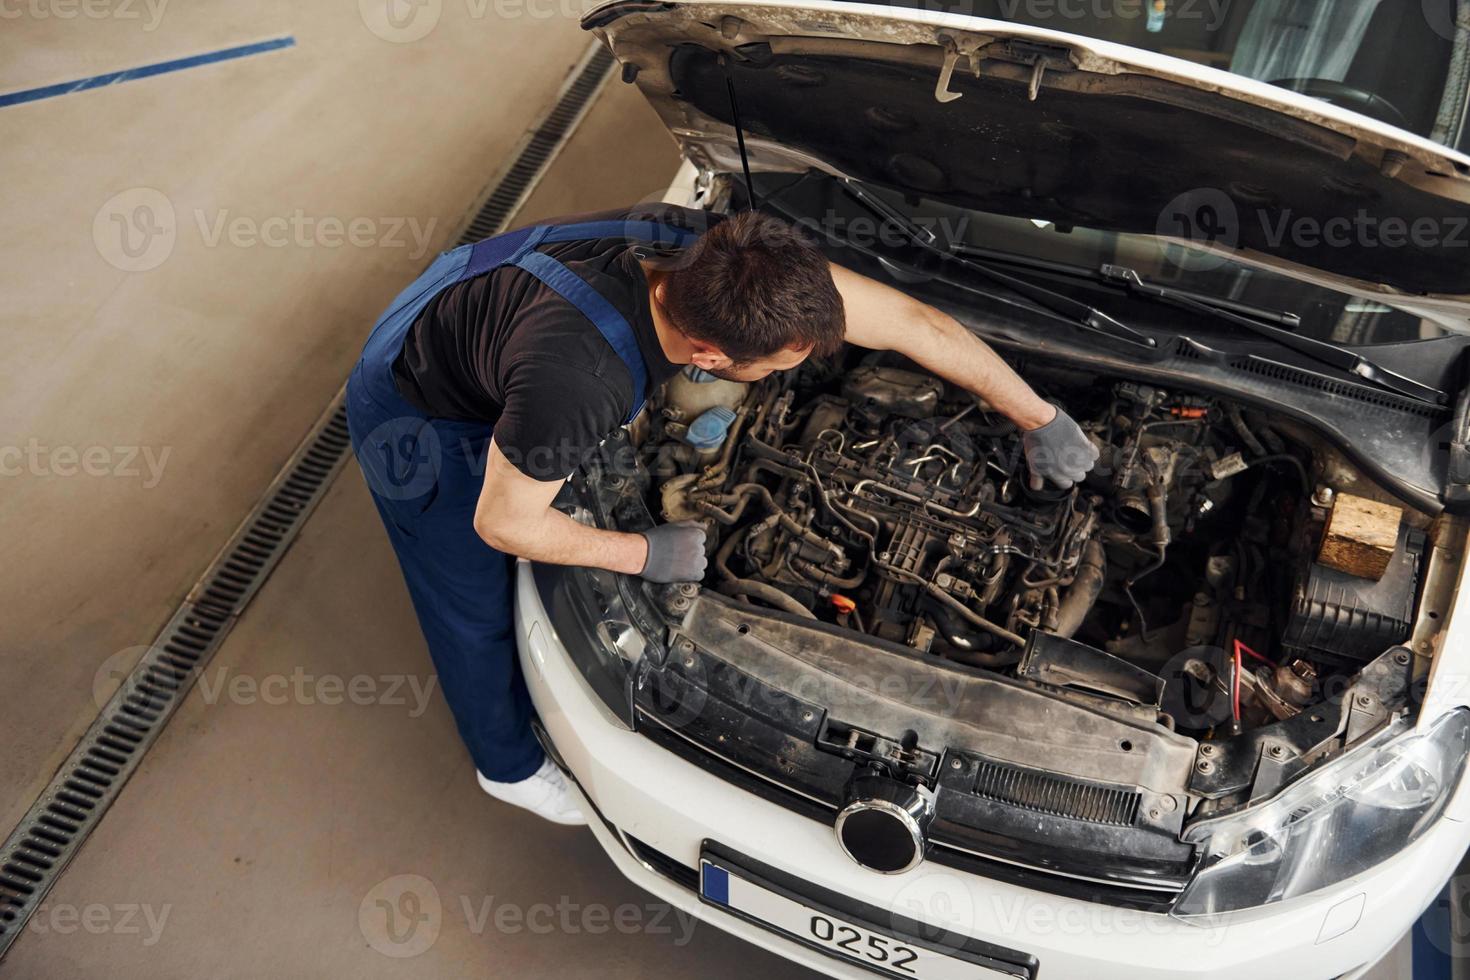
(1339,821)
(593,623)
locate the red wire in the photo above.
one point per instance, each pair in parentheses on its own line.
(1265,660)
(1235,682)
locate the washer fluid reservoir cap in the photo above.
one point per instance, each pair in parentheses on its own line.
(709,430)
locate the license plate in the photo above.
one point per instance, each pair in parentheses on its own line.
(819,926)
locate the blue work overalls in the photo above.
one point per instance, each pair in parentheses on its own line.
(425,475)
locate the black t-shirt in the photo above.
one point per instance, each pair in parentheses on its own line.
(504,348)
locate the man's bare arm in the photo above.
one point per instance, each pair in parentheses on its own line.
(514,515)
(880,317)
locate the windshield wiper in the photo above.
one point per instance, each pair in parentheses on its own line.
(1342,358)
(1094,274)
(1070,309)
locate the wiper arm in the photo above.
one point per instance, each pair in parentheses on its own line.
(1325,352)
(1071,309)
(1093,274)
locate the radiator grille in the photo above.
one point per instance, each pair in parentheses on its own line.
(1044,793)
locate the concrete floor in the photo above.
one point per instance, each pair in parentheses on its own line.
(262,833)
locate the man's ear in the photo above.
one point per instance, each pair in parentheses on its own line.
(707,358)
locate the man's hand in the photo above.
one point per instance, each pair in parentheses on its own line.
(1058,451)
(675,553)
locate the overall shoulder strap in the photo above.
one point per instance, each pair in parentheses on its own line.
(644,232)
(518,248)
(608,321)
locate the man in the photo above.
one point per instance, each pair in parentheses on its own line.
(493,374)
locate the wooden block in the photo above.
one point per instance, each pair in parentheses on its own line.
(1360,536)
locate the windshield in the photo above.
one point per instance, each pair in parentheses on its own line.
(1325,314)
(817,202)
(1392,60)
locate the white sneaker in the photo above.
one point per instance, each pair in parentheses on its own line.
(544,792)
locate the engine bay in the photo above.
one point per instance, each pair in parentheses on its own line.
(1183,575)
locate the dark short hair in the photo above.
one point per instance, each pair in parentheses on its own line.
(752,286)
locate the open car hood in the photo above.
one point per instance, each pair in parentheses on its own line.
(1040,124)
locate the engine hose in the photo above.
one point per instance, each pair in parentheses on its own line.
(1086,586)
(967,643)
(726,550)
(1159,506)
(811,474)
(741,496)
(973,616)
(1301,471)
(1243,430)
(1273,442)
(814,571)
(768,594)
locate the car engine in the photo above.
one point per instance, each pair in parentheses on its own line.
(878,498)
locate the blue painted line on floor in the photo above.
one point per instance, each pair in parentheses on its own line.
(145,71)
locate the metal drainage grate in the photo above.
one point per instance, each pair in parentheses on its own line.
(50,835)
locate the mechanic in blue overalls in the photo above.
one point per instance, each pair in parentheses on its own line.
(492,375)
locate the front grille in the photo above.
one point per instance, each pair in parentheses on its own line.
(1044,793)
(943,852)
(671,868)
(1078,889)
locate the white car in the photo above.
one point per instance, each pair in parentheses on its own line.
(1204,715)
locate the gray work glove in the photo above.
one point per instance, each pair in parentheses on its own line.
(1059,451)
(675,552)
